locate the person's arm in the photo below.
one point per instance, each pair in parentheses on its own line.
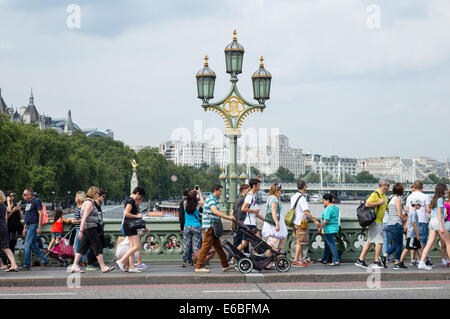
(311,217)
(202,199)
(220,214)
(41,214)
(127,212)
(245,209)
(88,207)
(398,205)
(416,230)
(275,217)
(375,204)
(441,223)
(67,220)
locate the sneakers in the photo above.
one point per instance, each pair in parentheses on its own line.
(296,264)
(424,266)
(142,266)
(378,265)
(414,263)
(305,263)
(92,268)
(382,260)
(202,270)
(228,268)
(361,263)
(400,265)
(429,263)
(134,270)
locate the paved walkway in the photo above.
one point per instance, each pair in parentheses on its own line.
(172,273)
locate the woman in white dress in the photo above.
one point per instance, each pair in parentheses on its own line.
(274,227)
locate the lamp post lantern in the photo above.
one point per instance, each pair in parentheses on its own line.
(233,109)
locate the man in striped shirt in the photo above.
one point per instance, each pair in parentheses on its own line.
(211,210)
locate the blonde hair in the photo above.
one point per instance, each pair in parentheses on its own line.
(274,189)
(2,197)
(81,195)
(119,241)
(92,191)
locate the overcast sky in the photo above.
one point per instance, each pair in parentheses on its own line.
(340,84)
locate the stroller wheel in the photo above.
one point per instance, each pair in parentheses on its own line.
(283,264)
(245,265)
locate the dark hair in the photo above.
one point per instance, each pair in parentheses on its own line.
(418,184)
(191,202)
(8,193)
(300,185)
(243,187)
(216,187)
(329,197)
(58,214)
(139,190)
(186,191)
(439,191)
(30,190)
(253,181)
(101,192)
(398,189)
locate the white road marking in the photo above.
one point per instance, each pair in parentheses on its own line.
(356,289)
(38,294)
(230,291)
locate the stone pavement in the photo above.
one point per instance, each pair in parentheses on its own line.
(173,273)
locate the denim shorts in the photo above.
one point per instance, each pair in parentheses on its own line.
(447,226)
(56,235)
(243,235)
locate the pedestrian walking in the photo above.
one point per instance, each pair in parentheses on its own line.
(88,234)
(131,213)
(436,224)
(238,214)
(379,201)
(15,227)
(330,228)
(300,227)
(395,219)
(274,227)
(445,260)
(80,197)
(92,263)
(212,213)
(57,228)
(423,212)
(32,228)
(413,235)
(249,207)
(181,209)
(4,236)
(192,231)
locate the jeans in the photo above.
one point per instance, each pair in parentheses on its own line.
(330,246)
(191,235)
(76,244)
(395,232)
(423,233)
(386,241)
(30,244)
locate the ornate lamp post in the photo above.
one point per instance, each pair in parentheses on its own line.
(233,108)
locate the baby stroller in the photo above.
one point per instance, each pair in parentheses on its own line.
(256,259)
(63,250)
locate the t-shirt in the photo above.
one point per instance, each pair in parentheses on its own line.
(251,201)
(413,218)
(422,212)
(447,207)
(302,205)
(207,214)
(331,213)
(439,204)
(192,220)
(273,199)
(391,216)
(379,210)
(134,207)
(31,211)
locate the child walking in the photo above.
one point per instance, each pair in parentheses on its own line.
(413,237)
(57,228)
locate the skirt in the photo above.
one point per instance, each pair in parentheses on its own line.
(268,230)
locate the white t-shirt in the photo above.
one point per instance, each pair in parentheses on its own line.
(301,207)
(251,201)
(422,212)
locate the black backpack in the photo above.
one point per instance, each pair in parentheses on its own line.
(366,215)
(238,213)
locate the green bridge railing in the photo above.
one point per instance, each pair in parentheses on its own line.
(164,242)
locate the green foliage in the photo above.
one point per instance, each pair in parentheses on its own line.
(366,177)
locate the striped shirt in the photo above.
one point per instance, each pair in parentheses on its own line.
(210,202)
(77,216)
(331,213)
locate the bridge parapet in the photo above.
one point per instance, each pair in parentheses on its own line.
(341,187)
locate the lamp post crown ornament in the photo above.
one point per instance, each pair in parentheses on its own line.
(206,60)
(134,164)
(234,35)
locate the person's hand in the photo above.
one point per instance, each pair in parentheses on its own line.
(317,224)
(381,202)
(277,228)
(38,231)
(80,235)
(139,216)
(147,230)
(8,199)
(418,238)
(24,232)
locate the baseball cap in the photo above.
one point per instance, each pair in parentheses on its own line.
(416,202)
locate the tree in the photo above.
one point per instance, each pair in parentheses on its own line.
(285,175)
(366,177)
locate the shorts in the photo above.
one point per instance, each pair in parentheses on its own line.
(375,234)
(447,226)
(423,233)
(127,231)
(56,235)
(243,235)
(434,224)
(413,244)
(301,235)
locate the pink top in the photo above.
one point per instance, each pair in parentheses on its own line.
(447,207)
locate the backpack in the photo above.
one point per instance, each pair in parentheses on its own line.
(240,215)
(366,215)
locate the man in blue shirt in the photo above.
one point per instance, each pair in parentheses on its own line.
(33,222)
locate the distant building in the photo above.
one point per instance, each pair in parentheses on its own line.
(337,166)
(30,115)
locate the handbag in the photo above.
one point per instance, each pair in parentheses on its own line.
(135,223)
(290,216)
(269,218)
(217,226)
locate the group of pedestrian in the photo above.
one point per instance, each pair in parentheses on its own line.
(393,219)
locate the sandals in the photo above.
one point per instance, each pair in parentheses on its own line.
(12,270)
(335,264)
(322,261)
(79,270)
(109,269)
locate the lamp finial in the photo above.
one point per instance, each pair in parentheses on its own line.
(234,35)
(206,60)
(262,64)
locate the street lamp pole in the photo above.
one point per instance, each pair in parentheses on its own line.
(233,108)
